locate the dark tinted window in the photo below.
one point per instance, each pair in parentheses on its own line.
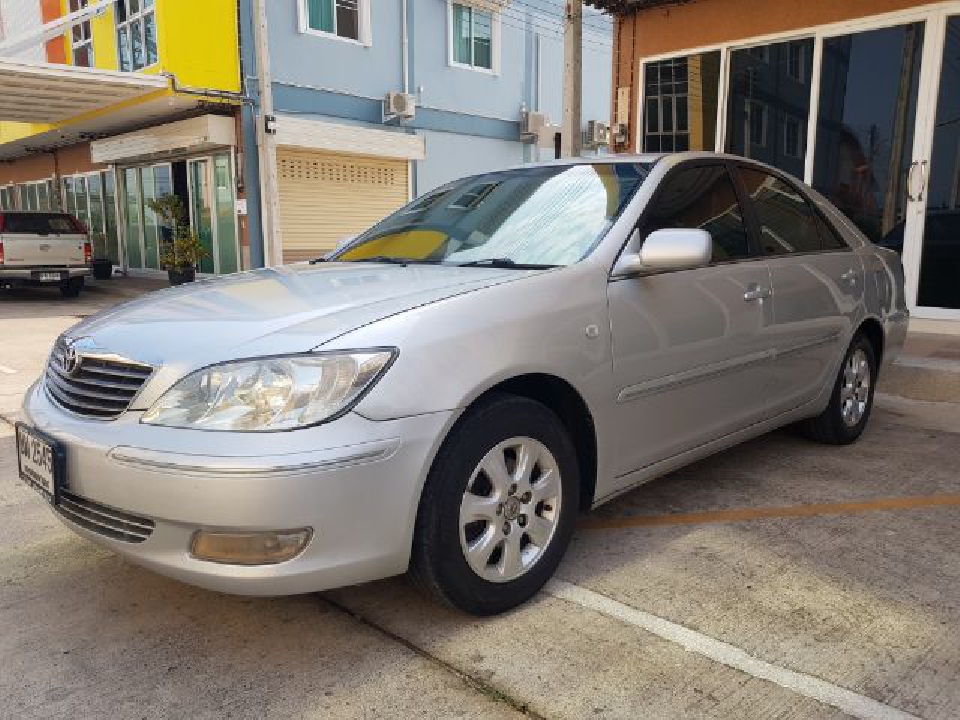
(787,222)
(705,198)
(830,238)
(36,223)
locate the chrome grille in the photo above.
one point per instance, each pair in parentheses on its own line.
(99,387)
(104,520)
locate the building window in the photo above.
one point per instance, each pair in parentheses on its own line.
(81,37)
(6,198)
(344,19)
(796,62)
(760,52)
(136,34)
(792,134)
(473,37)
(768,105)
(680,103)
(757,123)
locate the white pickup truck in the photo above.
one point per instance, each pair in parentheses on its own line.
(41,248)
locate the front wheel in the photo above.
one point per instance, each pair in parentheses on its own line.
(498,509)
(846,416)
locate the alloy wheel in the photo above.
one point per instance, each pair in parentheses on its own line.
(855,388)
(510,509)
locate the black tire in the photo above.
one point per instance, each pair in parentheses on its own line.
(830,427)
(71,288)
(438,565)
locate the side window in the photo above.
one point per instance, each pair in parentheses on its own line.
(787,222)
(704,198)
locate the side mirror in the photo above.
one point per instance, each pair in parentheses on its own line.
(670,249)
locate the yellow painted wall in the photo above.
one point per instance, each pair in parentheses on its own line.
(10,131)
(196,41)
(104,31)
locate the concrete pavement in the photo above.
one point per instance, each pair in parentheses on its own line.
(842,596)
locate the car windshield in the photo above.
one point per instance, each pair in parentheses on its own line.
(537,216)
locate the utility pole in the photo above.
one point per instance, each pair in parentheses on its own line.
(267,145)
(572,77)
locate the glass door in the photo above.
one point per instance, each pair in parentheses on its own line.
(937,195)
(866,127)
(226,215)
(133,223)
(201,212)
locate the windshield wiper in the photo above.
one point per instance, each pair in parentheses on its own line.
(505,263)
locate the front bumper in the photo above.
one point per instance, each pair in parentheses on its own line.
(354,481)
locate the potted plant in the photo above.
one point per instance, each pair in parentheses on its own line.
(182,256)
(102,264)
(182,250)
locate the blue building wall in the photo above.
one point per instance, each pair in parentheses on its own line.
(470,120)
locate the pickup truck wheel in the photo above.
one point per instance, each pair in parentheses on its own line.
(71,288)
(498,508)
(852,399)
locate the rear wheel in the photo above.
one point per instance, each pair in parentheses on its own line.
(498,509)
(846,416)
(71,288)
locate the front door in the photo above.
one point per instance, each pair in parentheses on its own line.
(690,352)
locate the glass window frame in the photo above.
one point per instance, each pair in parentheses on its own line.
(125,27)
(85,43)
(473,11)
(364,34)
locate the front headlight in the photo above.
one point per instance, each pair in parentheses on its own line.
(268,394)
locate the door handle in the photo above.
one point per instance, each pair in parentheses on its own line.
(850,276)
(757,292)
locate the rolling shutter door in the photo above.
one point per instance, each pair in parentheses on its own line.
(325,197)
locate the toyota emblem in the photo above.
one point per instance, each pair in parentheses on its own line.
(71,361)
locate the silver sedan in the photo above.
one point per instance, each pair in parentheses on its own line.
(443,394)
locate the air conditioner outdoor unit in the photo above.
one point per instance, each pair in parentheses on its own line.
(621,134)
(399,105)
(598,134)
(536,128)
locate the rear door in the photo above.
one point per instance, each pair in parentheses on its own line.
(817,287)
(37,239)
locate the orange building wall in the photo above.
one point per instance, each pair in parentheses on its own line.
(710,22)
(56,48)
(65,161)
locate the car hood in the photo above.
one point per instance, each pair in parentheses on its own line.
(273,311)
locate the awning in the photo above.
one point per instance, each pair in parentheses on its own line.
(194,135)
(49,94)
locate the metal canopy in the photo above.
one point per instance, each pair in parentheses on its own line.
(48,94)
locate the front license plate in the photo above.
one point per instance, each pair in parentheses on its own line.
(40,460)
(49,277)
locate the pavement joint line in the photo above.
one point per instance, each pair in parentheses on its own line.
(748,514)
(478,686)
(847,701)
